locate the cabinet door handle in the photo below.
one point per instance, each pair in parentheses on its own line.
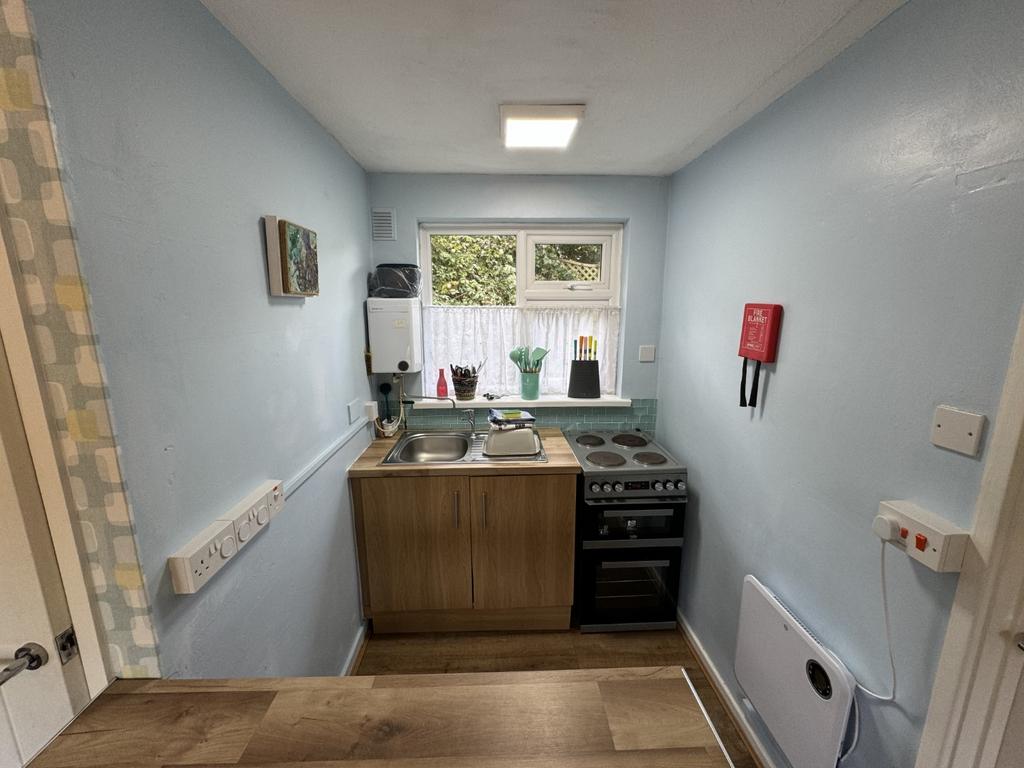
(455,508)
(483,507)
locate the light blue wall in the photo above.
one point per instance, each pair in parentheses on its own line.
(640,202)
(175,143)
(850,201)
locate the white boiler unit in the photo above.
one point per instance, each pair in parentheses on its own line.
(801,690)
(396,335)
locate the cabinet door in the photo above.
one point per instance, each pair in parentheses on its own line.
(416,535)
(523,540)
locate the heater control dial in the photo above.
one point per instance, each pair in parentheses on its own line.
(619,487)
(607,487)
(658,485)
(595,487)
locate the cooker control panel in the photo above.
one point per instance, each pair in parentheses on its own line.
(664,486)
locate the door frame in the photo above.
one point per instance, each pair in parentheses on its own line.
(975,682)
(28,387)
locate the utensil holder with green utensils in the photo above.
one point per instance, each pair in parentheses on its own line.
(529,385)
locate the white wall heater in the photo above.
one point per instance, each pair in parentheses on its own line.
(798,687)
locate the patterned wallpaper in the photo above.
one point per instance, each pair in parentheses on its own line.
(39,235)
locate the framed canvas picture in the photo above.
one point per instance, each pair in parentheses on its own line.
(291,259)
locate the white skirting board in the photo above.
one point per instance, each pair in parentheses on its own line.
(736,708)
(353,652)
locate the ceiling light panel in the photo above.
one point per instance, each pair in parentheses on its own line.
(539,126)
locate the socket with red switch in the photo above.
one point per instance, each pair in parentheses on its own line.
(937,543)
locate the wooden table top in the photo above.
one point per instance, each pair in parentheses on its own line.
(584,718)
(561,461)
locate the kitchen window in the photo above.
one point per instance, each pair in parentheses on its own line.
(487,290)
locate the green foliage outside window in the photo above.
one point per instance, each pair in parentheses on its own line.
(474,270)
(480,270)
(571,262)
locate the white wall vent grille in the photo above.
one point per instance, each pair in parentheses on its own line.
(382,222)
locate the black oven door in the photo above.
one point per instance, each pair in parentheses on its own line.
(635,520)
(631,588)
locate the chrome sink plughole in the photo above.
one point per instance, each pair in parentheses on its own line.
(448,448)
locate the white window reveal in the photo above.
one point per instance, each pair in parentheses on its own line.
(490,289)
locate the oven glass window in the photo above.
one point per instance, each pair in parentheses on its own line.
(629,586)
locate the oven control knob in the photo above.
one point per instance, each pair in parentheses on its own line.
(595,487)
(619,487)
(670,486)
(607,487)
(657,485)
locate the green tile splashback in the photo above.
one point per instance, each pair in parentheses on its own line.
(641,415)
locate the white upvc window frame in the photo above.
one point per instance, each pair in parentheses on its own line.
(529,291)
(604,291)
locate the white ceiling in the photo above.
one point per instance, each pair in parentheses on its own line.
(414,85)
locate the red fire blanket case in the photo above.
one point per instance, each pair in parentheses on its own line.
(759,340)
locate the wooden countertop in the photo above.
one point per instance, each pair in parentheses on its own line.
(580,718)
(561,461)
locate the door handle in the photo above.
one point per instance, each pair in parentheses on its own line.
(30,656)
(483,507)
(455,508)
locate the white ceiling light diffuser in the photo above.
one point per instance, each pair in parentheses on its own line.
(539,126)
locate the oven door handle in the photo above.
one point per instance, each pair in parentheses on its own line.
(638,513)
(632,543)
(621,564)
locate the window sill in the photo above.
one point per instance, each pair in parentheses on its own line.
(546,401)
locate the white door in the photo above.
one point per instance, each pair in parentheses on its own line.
(1011,754)
(35,704)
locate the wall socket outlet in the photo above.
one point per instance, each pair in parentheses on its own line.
(355,410)
(926,537)
(198,561)
(647,353)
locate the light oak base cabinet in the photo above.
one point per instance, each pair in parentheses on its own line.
(456,553)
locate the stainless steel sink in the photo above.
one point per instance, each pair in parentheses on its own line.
(431,448)
(447,448)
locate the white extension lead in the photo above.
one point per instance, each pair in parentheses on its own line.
(883,528)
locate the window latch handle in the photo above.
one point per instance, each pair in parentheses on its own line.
(581,287)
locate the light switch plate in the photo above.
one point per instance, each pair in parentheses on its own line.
(957,430)
(647,353)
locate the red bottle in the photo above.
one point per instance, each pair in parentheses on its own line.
(442,385)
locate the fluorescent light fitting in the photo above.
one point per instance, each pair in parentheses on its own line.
(539,126)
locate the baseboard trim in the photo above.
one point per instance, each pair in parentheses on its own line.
(355,653)
(755,744)
(472,620)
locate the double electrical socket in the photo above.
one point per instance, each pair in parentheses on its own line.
(198,561)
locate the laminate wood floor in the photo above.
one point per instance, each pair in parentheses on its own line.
(643,717)
(463,653)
